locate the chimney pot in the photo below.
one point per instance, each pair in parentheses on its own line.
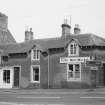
(65,28)
(28,35)
(77,29)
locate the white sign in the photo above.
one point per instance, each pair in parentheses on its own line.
(73,59)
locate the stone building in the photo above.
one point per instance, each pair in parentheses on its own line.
(70,61)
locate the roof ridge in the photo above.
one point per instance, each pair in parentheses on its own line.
(92,38)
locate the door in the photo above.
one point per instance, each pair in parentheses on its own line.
(7,78)
(104,73)
(16,76)
(93,77)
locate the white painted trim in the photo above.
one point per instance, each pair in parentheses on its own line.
(31,76)
(73,79)
(32,55)
(6,85)
(69,49)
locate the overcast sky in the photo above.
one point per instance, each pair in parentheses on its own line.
(46,16)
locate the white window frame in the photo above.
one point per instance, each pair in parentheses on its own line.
(32,73)
(69,49)
(73,79)
(32,54)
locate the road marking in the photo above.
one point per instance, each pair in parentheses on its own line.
(39,97)
(61,93)
(93,97)
(9,103)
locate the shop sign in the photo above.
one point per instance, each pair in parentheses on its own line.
(74,59)
(94,68)
(93,63)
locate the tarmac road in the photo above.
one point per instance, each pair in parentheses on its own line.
(52,97)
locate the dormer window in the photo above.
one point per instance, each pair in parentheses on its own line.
(35,54)
(73,49)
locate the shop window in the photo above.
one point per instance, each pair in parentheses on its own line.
(73,49)
(73,72)
(35,73)
(35,54)
(6,76)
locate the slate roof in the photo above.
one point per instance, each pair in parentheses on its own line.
(89,39)
(6,37)
(44,44)
(2,15)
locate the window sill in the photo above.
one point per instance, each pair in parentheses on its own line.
(73,55)
(35,59)
(74,80)
(35,81)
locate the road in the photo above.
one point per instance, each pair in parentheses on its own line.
(52,98)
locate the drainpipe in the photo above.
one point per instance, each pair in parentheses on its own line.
(48,69)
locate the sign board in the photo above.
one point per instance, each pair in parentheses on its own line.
(94,68)
(74,59)
(90,63)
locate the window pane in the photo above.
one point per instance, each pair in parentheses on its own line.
(34,54)
(77,71)
(70,67)
(8,79)
(70,75)
(35,73)
(77,74)
(38,54)
(75,46)
(71,49)
(77,67)
(36,77)
(37,70)
(6,76)
(8,72)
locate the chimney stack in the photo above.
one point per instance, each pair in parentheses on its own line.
(28,35)
(65,28)
(3,21)
(77,29)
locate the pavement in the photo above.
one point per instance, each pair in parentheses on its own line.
(54,91)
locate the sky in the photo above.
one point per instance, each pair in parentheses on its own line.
(46,16)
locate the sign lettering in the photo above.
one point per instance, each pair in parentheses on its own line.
(74,59)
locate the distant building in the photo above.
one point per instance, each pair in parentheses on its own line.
(70,61)
(5,35)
